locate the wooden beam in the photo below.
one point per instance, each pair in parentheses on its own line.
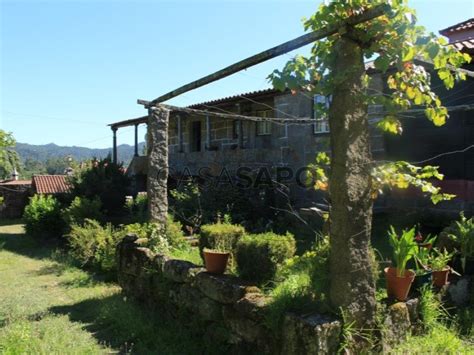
(271,53)
(130,122)
(194,111)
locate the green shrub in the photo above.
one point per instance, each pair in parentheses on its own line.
(220,236)
(259,255)
(82,208)
(138,208)
(302,284)
(94,245)
(105,180)
(173,234)
(43,217)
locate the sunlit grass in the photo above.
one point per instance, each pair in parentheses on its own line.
(49,306)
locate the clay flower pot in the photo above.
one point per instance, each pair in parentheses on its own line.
(398,287)
(215,261)
(422,280)
(440,277)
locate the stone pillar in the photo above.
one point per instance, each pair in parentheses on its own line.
(208,133)
(136,140)
(180,133)
(157,183)
(240,127)
(114,149)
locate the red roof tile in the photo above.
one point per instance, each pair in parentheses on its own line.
(465,25)
(50,184)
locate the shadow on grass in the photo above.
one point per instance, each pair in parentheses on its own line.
(129,327)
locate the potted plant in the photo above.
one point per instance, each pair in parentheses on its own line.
(439,263)
(398,278)
(464,236)
(423,271)
(215,260)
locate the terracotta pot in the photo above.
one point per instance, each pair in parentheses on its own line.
(215,262)
(398,287)
(440,277)
(422,280)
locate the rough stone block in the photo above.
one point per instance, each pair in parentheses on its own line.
(177,270)
(396,326)
(252,306)
(159,262)
(459,292)
(413,306)
(222,288)
(247,329)
(312,334)
(193,300)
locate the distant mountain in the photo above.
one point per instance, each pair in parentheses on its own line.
(47,151)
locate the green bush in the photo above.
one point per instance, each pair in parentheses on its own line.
(220,236)
(173,233)
(138,208)
(82,208)
(43,217)
(302,285)
(259,255)
(105,180)
(94,245)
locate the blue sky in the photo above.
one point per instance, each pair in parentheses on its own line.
(68,68)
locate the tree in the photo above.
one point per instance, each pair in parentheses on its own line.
(336,67)
(9,160)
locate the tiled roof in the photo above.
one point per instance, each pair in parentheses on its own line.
(465,25)
(464,45)
(250,95)
(50,184)
(15,182)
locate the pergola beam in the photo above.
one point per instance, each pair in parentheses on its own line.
(271,53)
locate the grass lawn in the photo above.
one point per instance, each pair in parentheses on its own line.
(49,306)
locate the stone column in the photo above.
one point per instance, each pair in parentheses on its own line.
(136,140)
(157,183)
(114,149)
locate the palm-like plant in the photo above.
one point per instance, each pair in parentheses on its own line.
(404,248)
(465,237)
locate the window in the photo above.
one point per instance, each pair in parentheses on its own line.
(264,128)
(322,123)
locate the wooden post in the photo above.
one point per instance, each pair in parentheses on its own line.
(136,140)
(114,149)
(158,118)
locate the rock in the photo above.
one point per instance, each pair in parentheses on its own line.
(396,326)
(193,300)
(459,292)
(159,262)
(192,273)
(413,306)
(221,288)
(247,329)
(252,306)
(177,270)
(312,334)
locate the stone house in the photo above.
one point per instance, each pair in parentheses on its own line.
(200,145)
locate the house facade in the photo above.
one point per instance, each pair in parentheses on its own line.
(210,146)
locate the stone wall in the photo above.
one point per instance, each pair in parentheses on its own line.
(221,302)
(224,302)
(15,199)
